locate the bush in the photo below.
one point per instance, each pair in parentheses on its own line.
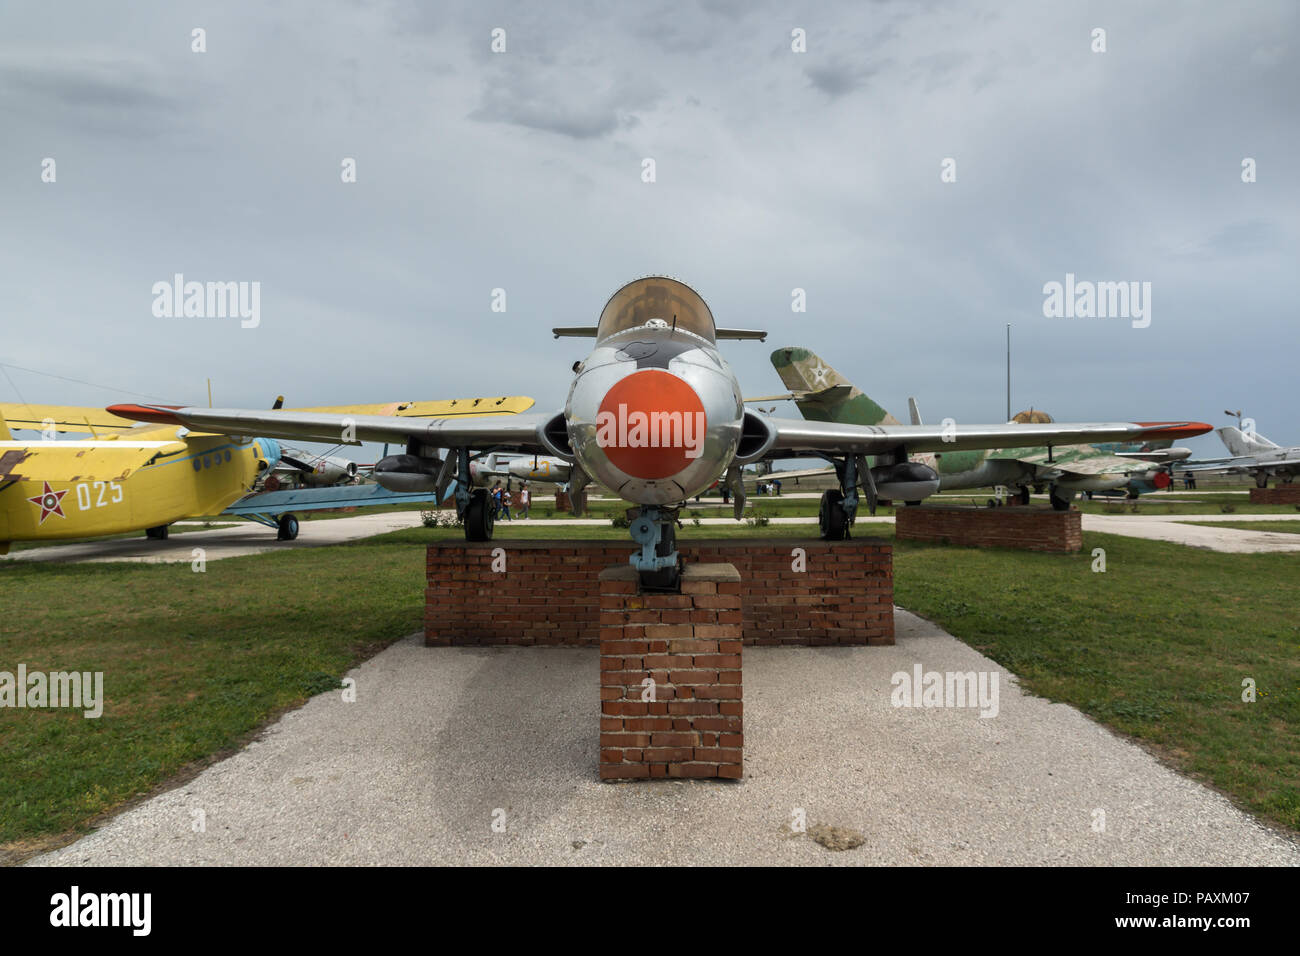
(1228,508)
(619,521)
(437,518)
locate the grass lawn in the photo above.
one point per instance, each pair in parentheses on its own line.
(194,663)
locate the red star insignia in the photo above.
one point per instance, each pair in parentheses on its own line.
(50,501)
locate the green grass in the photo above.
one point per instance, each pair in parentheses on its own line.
(194,663)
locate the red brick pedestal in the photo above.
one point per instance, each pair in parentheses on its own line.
(1277,495)
(1027,528)
(671,699)
(795,591)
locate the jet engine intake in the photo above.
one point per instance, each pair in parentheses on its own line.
(756,438)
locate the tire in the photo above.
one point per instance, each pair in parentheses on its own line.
(158,534)
(287,530)
(1261,481)
(1022,496)
(479,520)
(831,517)
(912,504)
(1059,504)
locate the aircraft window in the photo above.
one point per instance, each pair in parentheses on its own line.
(645,300)
(227,454)
(198,465)
(206,463)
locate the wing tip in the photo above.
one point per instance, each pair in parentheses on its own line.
(157,414)
(1174,429)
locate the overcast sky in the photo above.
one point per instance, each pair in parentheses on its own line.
(774,170)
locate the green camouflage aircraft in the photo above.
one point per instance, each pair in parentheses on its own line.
(823,394)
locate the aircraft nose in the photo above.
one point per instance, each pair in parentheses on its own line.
(651,424)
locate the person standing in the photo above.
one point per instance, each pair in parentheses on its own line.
(494,500)
(525,500)
(505,503)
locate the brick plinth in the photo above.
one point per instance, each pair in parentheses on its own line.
(1030,529)
(1278,495)
(671,698)
(793,591)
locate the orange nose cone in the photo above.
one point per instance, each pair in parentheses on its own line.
(651,425)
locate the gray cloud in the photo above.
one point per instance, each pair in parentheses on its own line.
(776,170)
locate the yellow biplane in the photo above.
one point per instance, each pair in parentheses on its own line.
(128,477)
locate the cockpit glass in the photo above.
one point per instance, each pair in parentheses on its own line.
(646,300)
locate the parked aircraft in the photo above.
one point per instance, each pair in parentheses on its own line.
(654,415)
(130,478)
(1252,454)
(823,394)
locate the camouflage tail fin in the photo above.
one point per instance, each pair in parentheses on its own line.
(823,394)
(1245,443)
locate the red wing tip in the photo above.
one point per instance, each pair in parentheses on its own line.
(146,413)
(1175,429)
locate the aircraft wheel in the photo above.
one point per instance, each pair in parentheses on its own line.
(287,529)
(158,534)
(912,504)
(1059,504)
(1261,481)
(1022,496)
(1131,495)
(479,520)
(1288,479)
(834,522)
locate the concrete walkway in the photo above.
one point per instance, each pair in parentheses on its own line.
(217,543)
(443,741)
(1175,528)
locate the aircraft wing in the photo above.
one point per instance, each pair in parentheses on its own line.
(795,436)
(111,460)
(443,408)
(1071,461)
(503,431)
(63,418)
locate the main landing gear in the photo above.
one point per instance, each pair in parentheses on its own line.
(832,518)
(1059,503)
(287,528)
(477,516)
(157,534)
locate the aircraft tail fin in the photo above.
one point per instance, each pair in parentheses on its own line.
(822,393)
(913,412)
(1245,443)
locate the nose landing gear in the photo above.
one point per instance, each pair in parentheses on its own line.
(658,564)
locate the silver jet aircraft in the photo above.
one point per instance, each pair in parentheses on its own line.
(654,415)
(1253,455)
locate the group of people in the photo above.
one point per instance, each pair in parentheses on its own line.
(501,499)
